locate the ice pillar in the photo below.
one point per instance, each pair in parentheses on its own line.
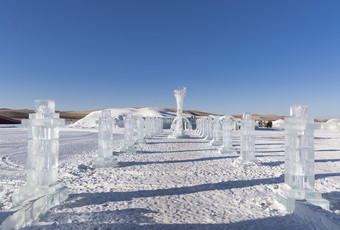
(105,158)
(42,156)
(140,130)
(179,130)
(299,160)
(227,146)
(216,141)
(209,127)
(128,135)
(247,154)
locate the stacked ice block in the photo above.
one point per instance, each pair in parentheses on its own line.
(216,141)
(42,155)
(227,146)
(299,160)
(128,135)
(247,154)
(105,158)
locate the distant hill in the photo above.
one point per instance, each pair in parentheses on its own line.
(73,116)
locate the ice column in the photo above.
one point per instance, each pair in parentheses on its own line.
(205,121)
(299,160)
(140,130)
(216,141)
(128,135)
(42,155)
(105,158)
(227,146)
(247,155)
(209,128)
(179,131)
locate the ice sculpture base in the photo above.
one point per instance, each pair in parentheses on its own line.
(215,143)
(25,213)
(107,162)
(128,149)
(140,142)
(287,196)
(254,162)
(230,151)
(29,192)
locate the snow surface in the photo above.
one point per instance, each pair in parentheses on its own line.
(90,120)
(169,183)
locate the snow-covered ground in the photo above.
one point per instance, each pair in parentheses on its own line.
(169,183)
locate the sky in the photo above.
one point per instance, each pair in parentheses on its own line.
(233,56)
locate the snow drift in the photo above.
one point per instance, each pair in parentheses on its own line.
(331,125)
(119,113)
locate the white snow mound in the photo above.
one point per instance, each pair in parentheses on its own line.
(119,113)
(278,124)
(331,125)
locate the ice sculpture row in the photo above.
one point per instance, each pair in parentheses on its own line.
(299,152)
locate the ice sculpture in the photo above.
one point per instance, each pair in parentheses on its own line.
(148,127)
(198,126)
(299,160)
(128,146)
(179,131)
(227,146)
(105,158)
(247,154)
(204,132)
(209,127)
(140,130)
(42,156)
(216,141)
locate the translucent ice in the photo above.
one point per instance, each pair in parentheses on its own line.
(105,141)
(129,135)
(216,141)
(179,130)
(42,153)
(227,146)
(247,154)
(299,160)
(140,130)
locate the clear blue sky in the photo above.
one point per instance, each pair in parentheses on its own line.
(232,55)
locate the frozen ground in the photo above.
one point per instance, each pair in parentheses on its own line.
(169,184)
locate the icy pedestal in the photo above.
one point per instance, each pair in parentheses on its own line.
(128,146)
(179,130)
(299,160)
(42,157)
(140,130)
(216,141)
(105,158)
(227,146)
(247,154)
(209,127)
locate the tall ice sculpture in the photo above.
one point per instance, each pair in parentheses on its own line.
(179,130)
(105,158)
(216,141)
(299,161)
(128,146)
(42,157)
(247,154)
(227,146)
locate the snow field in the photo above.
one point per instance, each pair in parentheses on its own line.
(169,183)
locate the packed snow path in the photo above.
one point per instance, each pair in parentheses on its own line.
(170,183)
